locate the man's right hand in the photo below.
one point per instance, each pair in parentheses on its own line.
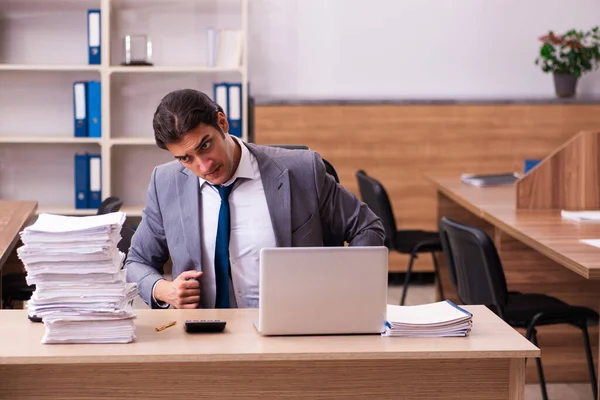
(183,292)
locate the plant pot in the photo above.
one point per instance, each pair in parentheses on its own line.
(565,85)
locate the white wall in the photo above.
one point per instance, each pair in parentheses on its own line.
(408,49)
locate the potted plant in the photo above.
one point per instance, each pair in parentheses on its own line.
(569,56)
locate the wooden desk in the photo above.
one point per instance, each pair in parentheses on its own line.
(240,363)
(540,253)
(14,215)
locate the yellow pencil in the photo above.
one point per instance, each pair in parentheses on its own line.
(162,328)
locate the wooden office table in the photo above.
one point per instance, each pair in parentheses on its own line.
(540,253)
(240,363)
(14,215)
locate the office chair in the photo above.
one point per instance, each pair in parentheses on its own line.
(476,271)
(125,242)
(329,239)
(251,119)
(114,204)
(108,205)
(328,166)
(15,287)
(411,242)
(291,146)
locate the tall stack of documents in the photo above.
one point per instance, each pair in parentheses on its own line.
(440,319)
(81,293)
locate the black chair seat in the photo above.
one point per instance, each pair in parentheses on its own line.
(15,288)
(522,308)
(406,240)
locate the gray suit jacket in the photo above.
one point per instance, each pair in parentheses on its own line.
(302,199)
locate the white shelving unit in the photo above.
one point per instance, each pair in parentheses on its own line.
(45,68)
(43,50)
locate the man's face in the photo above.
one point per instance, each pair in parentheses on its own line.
(208,153)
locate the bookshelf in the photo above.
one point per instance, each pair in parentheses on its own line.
(43,50)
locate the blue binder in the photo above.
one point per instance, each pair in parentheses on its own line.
(80,108)
(94,106)
(234,97)
(94,37)
(82,180)
(95,180)
(220,96)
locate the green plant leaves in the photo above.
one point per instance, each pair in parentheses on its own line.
(574,52)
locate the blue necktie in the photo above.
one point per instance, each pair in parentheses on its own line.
(222,249)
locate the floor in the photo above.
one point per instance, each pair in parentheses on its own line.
(419,294)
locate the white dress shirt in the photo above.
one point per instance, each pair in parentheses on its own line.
(251,230)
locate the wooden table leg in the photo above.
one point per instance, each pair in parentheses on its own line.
(516,379)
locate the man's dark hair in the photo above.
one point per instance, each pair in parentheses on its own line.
(181,111)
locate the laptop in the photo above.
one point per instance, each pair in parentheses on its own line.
(322,290)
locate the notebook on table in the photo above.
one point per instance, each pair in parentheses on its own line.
(581,216)
(440,319)
(485,180)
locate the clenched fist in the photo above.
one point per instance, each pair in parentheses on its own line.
(183,292)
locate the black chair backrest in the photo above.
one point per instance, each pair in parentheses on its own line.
(448,257)
(329,239)
(110,204)
(125,242)
(251,120)
(477,268)
(328,166)
(331,170)
(376,198)
(291,146)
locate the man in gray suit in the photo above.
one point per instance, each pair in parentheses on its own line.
(222,200)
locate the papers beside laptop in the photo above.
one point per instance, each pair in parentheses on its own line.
(440,319)
(581,216)
(485,180)
(591,242)
(81,293)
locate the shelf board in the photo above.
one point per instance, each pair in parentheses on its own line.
(133,141)
(170,69)
(46,6)
(137,3)
(49,67)
(48,139)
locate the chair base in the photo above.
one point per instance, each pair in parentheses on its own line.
(416,278)
(531,334)
(414,256)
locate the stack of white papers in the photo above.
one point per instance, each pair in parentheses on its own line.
(81,293)
(439,319)
(581,216)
